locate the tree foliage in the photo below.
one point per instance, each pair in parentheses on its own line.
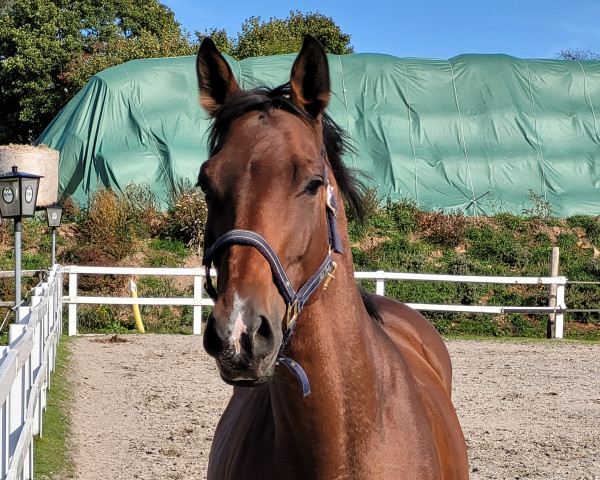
(50,48)
(578,55)
(277,36)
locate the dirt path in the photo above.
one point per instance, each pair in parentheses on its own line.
(146,408)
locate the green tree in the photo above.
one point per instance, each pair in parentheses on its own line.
(278,36)
(50,48)
(223,43)
(120,49)
(37,38)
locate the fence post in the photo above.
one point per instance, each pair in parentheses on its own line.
(197,322)
(72,304)
(380,283)
(58,304)
(18,390)
(552,301)
(560,316)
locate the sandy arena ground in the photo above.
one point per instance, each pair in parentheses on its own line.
(146,407)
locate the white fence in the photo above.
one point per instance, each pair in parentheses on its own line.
(199,300)
(25,368)
(26,363)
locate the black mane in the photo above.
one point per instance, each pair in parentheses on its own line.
(335,139)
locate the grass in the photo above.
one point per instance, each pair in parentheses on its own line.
(400,237)
(51,459)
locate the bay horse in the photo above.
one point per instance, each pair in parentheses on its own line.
(343,384)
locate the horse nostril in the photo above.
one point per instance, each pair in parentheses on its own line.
(212,342)
(264,329)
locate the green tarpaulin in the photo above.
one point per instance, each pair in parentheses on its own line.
(476,132)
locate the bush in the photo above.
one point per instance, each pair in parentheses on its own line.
(358,228)
(72,211)
(116,225)
(443,228)
(591,225)
(108,224)
(541,208)
(166,252)
(187,215)
(88,255)
(98,318)
(144,210)
(403,215)
(496,247)
(509,221)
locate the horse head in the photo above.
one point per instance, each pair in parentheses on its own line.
(267,176)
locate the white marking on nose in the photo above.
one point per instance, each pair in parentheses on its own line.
(236,335)
(238,325)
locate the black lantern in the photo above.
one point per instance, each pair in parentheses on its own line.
(54,216)
(18,194)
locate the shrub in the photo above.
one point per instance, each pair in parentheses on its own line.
(541,207)
(104,319)
(89,255)
(402,215)
(591,225)
(510,222)
(443,228)
(495,247)
(6,231)
(358,228)
(108,224)
(166,252)
(187,215)
(566,240)
(72,211)
(34,231)
(144,210)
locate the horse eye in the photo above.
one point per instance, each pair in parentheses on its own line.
(313,187)
(203,185)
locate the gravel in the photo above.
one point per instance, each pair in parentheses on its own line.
(146,407)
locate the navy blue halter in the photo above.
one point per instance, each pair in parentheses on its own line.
(294,301)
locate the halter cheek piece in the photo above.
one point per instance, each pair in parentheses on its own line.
(294,301)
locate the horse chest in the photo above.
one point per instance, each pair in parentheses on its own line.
(248,445)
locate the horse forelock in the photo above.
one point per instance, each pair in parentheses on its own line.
(265,100)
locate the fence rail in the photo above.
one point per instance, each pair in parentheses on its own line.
(26,363)
(24,274)
(25,366)
(199,300)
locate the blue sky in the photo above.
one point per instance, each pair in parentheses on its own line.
(425,28)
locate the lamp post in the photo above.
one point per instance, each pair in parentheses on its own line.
(18,195)
(54,216)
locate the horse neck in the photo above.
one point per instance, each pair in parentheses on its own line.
(337,315)
(331,341)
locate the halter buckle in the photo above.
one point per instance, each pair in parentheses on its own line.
(292,313)
(330,276)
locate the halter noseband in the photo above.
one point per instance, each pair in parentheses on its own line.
(294,301)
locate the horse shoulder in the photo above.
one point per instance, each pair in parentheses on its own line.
(415,337)
(425,355)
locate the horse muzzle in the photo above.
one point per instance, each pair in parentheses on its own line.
(244,345)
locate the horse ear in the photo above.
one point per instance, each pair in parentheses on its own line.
(309,80)
(215,78)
